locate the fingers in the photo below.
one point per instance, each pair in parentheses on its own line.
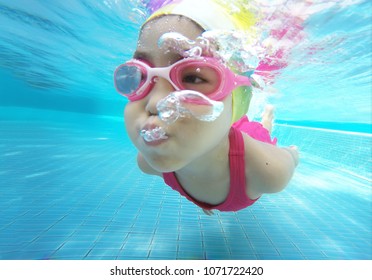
(293,150)
(293,147)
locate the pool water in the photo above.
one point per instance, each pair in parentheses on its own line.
(69,184)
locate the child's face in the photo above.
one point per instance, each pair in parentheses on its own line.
(188,138)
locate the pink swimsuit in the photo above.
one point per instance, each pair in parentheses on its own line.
(237,198)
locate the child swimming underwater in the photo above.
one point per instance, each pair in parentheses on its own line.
(186,112)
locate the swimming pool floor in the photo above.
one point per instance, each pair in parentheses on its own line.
(71,190)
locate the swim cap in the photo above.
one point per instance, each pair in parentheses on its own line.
(212,15)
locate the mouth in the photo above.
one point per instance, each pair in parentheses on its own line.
(153,135)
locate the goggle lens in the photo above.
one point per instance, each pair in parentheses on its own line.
(203,79)
(128,79)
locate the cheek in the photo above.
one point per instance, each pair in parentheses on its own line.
(127,112)
(134,110)
(228,105)
(131,115)
(128,115)
(198,135)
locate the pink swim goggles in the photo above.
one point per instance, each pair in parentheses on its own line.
(135,78)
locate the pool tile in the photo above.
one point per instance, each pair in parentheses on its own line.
(85,199)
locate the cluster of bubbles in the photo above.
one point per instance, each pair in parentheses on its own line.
(186,104)
(154,134)
(182,104)
(227,46)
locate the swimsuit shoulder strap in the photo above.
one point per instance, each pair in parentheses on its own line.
(238,186)
(236,159)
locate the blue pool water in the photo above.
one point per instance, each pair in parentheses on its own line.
(69,184)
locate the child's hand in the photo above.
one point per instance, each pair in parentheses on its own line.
(293,150)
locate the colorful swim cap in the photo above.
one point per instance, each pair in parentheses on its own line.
(212,15)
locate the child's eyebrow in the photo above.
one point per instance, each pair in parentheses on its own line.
(141,55)
(148,57)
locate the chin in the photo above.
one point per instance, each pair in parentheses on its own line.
(166,165)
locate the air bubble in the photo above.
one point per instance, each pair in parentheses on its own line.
(155,134)
(188,104)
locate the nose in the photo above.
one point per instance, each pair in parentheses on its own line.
(160,89)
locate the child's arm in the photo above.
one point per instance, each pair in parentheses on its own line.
(268,168)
